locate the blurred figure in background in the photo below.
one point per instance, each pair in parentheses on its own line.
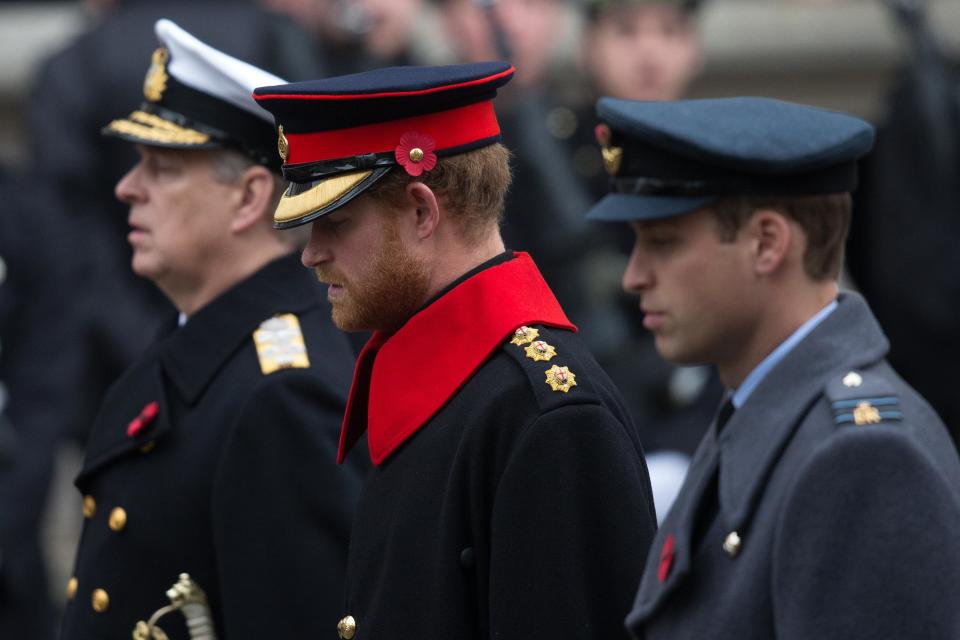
(641,50)
(910,182)
(36,381)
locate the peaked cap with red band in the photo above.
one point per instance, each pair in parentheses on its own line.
(339,135)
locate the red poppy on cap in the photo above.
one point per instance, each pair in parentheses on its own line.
(415,153)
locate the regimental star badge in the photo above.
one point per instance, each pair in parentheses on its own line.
(523,335)
(155,82)
(283,147)
(539,350)
(561,378)
(866,413)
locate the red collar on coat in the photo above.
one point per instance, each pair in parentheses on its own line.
(401,380)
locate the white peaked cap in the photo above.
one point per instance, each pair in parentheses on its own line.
(201,67)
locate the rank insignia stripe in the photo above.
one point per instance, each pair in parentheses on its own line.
(864,411)
(280,344)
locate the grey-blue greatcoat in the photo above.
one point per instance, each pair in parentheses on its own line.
(846,531)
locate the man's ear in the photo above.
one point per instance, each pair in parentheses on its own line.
(423,201)
(773,238)
(255,196)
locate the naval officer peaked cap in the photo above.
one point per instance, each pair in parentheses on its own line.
(670,158)
(340,135)
(197,97)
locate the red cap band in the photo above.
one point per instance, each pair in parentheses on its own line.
(450,129)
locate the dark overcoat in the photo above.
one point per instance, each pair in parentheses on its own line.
(229,479)
(837,514)
(516,510)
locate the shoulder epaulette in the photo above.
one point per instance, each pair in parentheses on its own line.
(552,372)
(862,399)
(280,344)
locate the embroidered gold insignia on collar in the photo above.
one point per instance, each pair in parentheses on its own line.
(280,345)
(561,378)
(523,335)
(538,351)
(612,156)
(866,413)
(155,82)
(283,147)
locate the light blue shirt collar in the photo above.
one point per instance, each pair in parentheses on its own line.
(767,364)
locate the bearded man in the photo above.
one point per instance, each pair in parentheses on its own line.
(509,498)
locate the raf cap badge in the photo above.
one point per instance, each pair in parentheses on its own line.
(612,156)
(561,378)
(155,83)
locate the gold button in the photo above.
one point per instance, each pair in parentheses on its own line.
(347,627)
(416,154)
(147,448)
(101,601)
(732,544)
(71,588)
(89,506)
(118,519)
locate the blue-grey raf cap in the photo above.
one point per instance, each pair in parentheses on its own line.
(670,158)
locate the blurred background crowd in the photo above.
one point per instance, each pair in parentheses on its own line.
(72,315)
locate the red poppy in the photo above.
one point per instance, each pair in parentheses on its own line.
(415,153)
(602,133)
(666,559)
(147,414)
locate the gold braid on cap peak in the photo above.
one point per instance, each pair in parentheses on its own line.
(155,129)
(327,191)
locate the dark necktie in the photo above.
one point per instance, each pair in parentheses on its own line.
(723,415)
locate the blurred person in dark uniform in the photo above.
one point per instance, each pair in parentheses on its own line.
(91,81)
(509,498)
(212,456)
(36,380)
(824,499)
(913,279)
(640,50)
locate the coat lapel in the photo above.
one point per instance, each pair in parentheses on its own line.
(753,440)
(180,366)
(128,422)
(670,557)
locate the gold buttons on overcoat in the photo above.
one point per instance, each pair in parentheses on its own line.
(347,627)
(100,600)
(732,544)
(71,588)
(118,519)
(89,506)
